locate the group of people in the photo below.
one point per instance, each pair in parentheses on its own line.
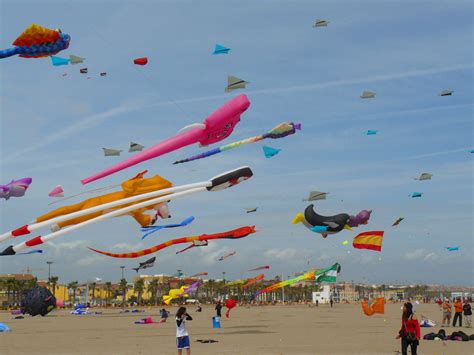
(460,309)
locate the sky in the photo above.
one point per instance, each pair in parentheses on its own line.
(52,128)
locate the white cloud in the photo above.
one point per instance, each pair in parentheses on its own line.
(281,254)
(90,260)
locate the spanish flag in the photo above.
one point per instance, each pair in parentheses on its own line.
(369,240)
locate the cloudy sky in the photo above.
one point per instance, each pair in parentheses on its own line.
(53,128)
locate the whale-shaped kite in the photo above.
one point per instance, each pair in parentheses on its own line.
(15,188)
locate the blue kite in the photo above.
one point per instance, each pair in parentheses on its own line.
(371,132)
(153,229)
(57,61)
(416,194)
(221,50)
(270,152)
(452,248)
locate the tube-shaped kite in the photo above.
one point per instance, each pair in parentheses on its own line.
(217,183)
(254,280)
(200,274)
(233,234)
(280,131)
(152,229)
(264,267)
(218,126)
(36,42)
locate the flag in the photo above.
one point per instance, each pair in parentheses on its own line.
(329,274)
(376,306)
(369,240)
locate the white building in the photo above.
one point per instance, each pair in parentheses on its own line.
(322,296)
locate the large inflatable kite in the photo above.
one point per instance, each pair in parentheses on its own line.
(229,304)
(15,188)
(36,42)
(180,292)
(38,300)
(218,126)
(280,131)
(375,306)
(233,234)
(145,200)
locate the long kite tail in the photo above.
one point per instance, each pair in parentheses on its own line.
(187,248)
(233,234)
(9,52)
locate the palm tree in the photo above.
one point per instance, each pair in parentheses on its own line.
(108,291)
(93,286)
(73,286)
(139,287)
(53,281)
(153,289)
(123,287)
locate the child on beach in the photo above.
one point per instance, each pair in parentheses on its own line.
(447,308)
(164,315)
(182,336)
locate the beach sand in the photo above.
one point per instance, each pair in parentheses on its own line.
(297,329)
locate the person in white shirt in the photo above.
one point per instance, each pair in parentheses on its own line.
(182,336)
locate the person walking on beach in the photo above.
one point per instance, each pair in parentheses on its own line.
(447,308)
(331,301)
(218,309)
(457,311)
(182,336)
(467,312)
(410,330)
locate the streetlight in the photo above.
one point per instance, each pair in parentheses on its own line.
(223,276)
(122,267)
(49,269)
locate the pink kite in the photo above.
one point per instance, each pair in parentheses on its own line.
(56,192)
(218,126)
(229,304)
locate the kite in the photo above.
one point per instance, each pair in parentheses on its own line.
(320,23)
(56,192)
(372,307)
(145,265)
(270,152)
(282,130)
(6,328)
(196,243)
(153,229)
(216,127)
(446,93)
(135,147)
(219,49)
(416,194)
(111,152)
(452,248)
(84,71)
(229,304)
(57,61)
(158,199)
(371,132)
(253,280)
(74,59)
(264,267)
(346,242)
(37,300)
(424,176)
(367,95)
(141,61)
(326,224)
(147,320)
(36,42)
(200,274)
(103,74)
(251,210)
(222,258)
(324,275)
(233,234)
(37,251)
(316,195)
(15,188)
(234,83)
(180,292)
(369,240)
(397,222)
(360,218)
(471,151)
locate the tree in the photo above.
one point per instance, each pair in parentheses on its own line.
(123,288)
(73,286)
(108,291)
(153,290)
(139,287)
(53,281)
(93,287)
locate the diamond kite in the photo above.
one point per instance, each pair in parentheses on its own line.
(220,49)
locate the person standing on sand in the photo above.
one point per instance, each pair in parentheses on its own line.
(447,308)
(467,313)
(331,301)
(457,312)
(182,336)
(218,309)
(410,330)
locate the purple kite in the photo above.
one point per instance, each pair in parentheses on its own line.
(16,188)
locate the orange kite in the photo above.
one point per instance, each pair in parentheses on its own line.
(376,306)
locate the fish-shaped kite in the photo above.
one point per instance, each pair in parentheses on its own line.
(222,258)
(282,130)
(195,243)
(220,49)
(397,222)
(218,126)
(37,42)
(146,264)
(15,188)
(253,280)
(153,229)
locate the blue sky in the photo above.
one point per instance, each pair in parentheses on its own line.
(52,128)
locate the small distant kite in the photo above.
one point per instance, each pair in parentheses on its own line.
(367,95)
(424,176)
(15,188)
(36,251)
(103,74)
(375,306)
(222,258)
(194,244)
(56,192)
(264,267)
(200,274)
(446,93)
(251,210)
(471,151)
(320,23)
(141,61)
(346,242)
(234,83)
(416,194)
(145,265)
(219,49)
(397,222)
(74,59)
(83,70)
(371,132)
(316,195)
(452,248)
(57,61)
(108,152)
(37,42)
(152,229)
(270,152)
(135,147)
(369,240)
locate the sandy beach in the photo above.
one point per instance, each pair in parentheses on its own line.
(295,329)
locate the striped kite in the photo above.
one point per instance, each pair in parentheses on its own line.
(369,240)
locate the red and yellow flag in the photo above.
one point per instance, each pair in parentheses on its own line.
(369,240)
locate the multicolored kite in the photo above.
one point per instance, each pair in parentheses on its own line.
(369,240)
(200,274)
(254,280)
(222,258)
(15,188)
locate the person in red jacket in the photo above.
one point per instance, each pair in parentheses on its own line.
(410,330)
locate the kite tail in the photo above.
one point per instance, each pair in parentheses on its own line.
(298,218)
(150,230)
(9,52)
